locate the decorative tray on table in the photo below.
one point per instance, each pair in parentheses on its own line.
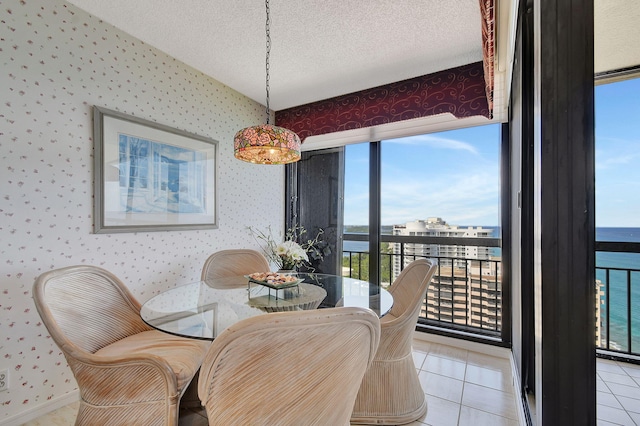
(274,280)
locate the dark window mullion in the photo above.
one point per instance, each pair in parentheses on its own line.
(374,212)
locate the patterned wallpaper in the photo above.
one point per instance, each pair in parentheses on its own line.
(56,62)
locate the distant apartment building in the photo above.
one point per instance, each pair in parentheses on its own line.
(436,227)
(467,288)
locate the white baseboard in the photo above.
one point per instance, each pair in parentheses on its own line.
(42,409)
(496,351)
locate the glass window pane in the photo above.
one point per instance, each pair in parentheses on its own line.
(446,185)
(617,156)
(356,210)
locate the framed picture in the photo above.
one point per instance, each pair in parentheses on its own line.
(151,177)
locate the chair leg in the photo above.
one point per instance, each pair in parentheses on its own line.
(390,394)
(190,397)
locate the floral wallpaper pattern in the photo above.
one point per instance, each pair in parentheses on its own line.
(56,62)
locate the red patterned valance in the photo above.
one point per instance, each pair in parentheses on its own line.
(488,43)
(460,91)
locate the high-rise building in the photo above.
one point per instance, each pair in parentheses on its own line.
(467,287)
(450,254)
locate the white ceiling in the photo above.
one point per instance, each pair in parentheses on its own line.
(617,34)
(322,49)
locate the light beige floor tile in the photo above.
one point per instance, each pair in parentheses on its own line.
(441,412)
(634,416)
(621,379)
(631,369)
(445,367)
(416,423)
(494,379)
(418,358)
(441,386)
(601,386)
(488,361)
(422,346)
(605,423)
(608,365)
(449,352)
(473,417)
(629,404)
(447,393)
(607,399)
(63,416)
(489,400)
(613,415)
(622,390)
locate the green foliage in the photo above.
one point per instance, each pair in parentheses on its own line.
(360,264)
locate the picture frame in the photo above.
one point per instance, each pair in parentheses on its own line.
(151,177)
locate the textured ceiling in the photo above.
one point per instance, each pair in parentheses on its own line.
(322,49)
(617,34)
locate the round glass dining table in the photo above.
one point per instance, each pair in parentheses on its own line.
(203,309)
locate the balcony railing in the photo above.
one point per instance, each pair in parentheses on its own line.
(618,298)
(465,293)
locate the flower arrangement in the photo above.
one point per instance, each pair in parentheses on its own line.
(290,254)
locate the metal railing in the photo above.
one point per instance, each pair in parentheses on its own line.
(465,293)
(618,300)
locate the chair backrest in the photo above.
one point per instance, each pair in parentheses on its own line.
(229,263)
(289,368)
(86,308)
(410,288)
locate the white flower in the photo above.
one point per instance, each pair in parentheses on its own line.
(289,254)
(292,250)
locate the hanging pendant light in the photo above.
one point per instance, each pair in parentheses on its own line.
(266,143)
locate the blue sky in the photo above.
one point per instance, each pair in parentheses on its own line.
(455,175)
(618,154)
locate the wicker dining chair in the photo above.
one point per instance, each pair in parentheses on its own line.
(235,262)
(127,372)
(289,368)
(390,392)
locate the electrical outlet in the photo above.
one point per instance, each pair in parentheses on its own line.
(4,379)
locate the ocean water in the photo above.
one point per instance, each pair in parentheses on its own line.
(618,294)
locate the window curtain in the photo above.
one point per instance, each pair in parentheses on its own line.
(460,91)
(465,91)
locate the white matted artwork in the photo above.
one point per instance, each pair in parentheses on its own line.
(151,177)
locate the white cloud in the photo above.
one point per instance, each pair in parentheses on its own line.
(467,198)
(434,142)
(607,163)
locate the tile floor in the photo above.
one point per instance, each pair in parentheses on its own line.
(468,388)
(617,393)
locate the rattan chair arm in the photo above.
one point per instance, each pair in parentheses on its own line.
(123,378)
(390,323)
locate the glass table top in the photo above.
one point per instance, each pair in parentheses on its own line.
(204,309)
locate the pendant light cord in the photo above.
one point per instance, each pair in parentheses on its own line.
(267,57)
